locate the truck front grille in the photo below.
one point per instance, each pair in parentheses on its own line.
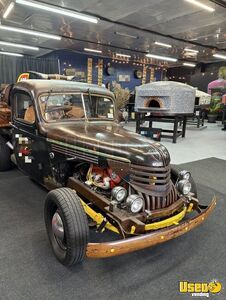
(149,177)
(154,184)
(158,202)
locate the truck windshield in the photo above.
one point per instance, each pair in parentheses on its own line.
(56,107)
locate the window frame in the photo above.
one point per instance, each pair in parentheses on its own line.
(103,96)
(82,94)
(15,102)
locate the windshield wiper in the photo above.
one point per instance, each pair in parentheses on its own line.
(90,104)
(48,95)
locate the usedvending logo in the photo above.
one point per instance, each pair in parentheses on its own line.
(200,289)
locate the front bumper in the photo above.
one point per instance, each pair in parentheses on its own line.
(108,249)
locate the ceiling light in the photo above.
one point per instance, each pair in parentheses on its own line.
(163,45)
(30,32)
(191,50)
(8,10)
(219,56)
(204,6)
(92,50)
(19,46)
(11,53)
(162,57)
(61,11)
(124,55)
(127,35)
(189,65)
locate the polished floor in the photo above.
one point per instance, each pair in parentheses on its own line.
(197,144)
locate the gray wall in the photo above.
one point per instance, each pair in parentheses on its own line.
(11,67)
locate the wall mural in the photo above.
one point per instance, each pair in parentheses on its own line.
(152,74)
(123,78)
(111,69)
(144,74)
(89,70)
(100,71)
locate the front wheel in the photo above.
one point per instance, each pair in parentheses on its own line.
(66,225)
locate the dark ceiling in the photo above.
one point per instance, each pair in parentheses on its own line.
(176,22)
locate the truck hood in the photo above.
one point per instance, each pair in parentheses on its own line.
(107,138)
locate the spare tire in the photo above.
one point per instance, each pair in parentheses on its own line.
(5,161)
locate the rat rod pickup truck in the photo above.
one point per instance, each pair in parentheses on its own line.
(65,135)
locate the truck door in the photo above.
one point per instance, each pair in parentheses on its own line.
(25,135)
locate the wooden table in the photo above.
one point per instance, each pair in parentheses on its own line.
(165,133)
(198,117)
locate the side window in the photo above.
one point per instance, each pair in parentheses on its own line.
(24,108)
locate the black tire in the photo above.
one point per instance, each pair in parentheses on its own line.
(67,204)
(5,161)
(174,176)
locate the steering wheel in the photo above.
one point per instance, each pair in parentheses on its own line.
(63,108)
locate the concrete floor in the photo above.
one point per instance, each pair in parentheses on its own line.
(197,144)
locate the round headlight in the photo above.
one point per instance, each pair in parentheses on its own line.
(184,187)
(134,203)
(184,175)
(119,193)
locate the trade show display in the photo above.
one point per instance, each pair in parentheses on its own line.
(94,168)
(112,149)
(219,83)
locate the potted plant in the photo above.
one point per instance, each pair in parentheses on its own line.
(215,107)
(122,98)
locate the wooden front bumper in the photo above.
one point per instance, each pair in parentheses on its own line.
(108,249)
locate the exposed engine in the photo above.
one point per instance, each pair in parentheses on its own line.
(106,182)
(102,178)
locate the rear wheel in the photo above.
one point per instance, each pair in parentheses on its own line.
(174,175)
(5,162)
(66,225)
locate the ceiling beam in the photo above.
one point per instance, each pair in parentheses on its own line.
(134,27)
(96,44)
